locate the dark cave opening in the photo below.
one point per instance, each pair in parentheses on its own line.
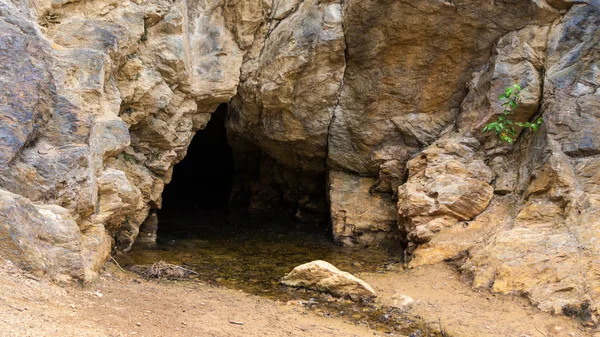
(203,179)
(201,182)
(226,185)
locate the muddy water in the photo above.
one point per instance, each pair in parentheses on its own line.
(253,255)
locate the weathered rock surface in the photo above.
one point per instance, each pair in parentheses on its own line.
(323,276)
(102,100)
(447,183)
(540,239)
(550,251)
(358,216)
(519,57)
(404,78)
(361,102)
(290,83)
(41,238)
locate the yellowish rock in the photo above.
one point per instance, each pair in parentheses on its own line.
(323,276)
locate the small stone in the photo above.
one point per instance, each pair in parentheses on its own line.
(402,301)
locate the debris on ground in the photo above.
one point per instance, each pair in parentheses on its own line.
(162,269)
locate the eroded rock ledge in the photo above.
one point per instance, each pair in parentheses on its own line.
(377,105)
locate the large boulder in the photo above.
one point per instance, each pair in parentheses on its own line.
(323,276)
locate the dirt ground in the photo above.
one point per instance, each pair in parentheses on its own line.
(441,297)
(121,304)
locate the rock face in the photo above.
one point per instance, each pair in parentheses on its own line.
(40,237)
(323,276)
(540,238)
(369,112)
(555,218)
(447,183)
(403,79)
(357,216)
(101,102)
(300,48)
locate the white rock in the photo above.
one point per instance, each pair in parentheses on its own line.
(323,276)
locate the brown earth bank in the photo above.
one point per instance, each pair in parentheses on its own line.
(122,304)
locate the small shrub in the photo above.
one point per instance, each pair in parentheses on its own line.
(504,126)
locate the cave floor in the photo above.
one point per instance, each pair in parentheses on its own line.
(123,304)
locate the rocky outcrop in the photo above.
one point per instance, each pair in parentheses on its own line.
(554,220)
(104,100)
(330,101)
(404,79)
(323,276)
(42,238)
(290,83)
(447,183)
(359,217)
(538,236)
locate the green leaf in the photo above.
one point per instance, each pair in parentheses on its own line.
(540,120)
(502,97)
(517,87)
(506,139)
(513,104)
(534,127)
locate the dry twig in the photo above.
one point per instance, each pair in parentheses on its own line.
(117,263)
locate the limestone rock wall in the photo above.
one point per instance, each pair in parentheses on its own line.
(537,237)
(370,111)
(106,97)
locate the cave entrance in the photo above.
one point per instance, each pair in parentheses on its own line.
(227,185)
(240,219)
(199,190)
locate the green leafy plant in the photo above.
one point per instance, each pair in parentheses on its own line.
(504,126)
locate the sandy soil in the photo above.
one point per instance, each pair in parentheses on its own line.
(121,304)
(441,297)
